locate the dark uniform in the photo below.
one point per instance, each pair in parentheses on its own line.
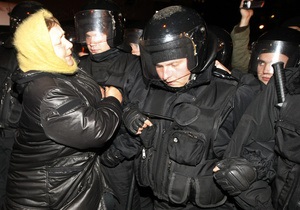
(113,67)
(192,125)
(261,163)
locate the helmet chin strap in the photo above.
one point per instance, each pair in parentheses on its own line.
(178,78)
(191,78)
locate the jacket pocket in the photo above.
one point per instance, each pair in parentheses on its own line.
(143,168)
(288,140)
(196,185)
(179,188)
(69,177)
(187,147)
(288,185)
(207,193)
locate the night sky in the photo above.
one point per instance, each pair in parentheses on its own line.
(224,13)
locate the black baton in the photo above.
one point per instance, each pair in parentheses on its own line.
(280,80)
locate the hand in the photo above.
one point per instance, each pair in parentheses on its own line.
(221,66)
(246,15)
(234,175)
(111,91)
(111,157)
(134,120)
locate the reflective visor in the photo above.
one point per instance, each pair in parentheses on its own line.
(94,20)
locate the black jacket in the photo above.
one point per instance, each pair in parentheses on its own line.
(53,163)
(268,136)
(8,57)
(117,68)
(8,64)
(113,67)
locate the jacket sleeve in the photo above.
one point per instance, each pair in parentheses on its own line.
(253,139)
(70,120)
(244,95)
(240,52)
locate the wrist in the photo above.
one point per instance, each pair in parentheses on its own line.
(244,21)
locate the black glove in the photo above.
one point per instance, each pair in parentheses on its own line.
(111,157)
(235,175)
(133,119)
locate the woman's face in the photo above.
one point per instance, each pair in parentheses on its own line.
(62,47)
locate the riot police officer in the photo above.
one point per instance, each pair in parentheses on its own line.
(100,25)
(262,160)
(183,111)
(225,46)
(276,45)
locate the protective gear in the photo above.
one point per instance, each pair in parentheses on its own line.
(133,35)
(279,41)
(21,11)
(133,119)
(104,17)
(70,33)
(225,46)
(235,175)
(258,196)
(172,33)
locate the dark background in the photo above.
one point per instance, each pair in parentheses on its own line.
(224,13)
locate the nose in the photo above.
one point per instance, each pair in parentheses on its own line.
(69,44)
(167,73)
(268,69)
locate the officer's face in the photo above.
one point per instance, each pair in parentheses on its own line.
(62,47)
(174,72)
(264,68)
(96,42)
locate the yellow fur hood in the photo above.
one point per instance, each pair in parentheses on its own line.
(34,47)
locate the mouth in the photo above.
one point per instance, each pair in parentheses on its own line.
(266,78)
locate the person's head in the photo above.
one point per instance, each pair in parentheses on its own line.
(21,11)
(100,26)
(41,45)
(225,45)
(280,44)
(132,37)
(174,46)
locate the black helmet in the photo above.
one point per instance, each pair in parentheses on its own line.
(281,40)
(132,35)
(101,16)
(225,46)
(21,11)
(172,33)
(70,33)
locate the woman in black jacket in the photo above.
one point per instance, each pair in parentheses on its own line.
(65,117)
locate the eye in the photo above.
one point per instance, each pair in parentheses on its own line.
(175,64)
(261,63)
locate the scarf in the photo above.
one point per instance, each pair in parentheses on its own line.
(34,46)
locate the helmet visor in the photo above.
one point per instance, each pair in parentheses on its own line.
(94,21)
(278,50)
